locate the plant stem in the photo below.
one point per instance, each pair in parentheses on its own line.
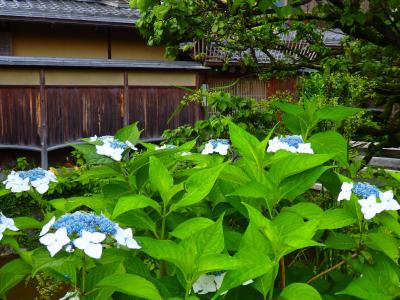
(283,272)
(274,273)
(187,290)
(163,266)
(338,265)
(83,275)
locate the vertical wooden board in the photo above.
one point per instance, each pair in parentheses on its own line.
(19,115)
(74,113)
(136,98)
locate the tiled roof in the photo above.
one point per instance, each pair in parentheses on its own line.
(70,11)
(99,63)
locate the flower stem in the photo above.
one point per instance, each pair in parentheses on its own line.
(83,275)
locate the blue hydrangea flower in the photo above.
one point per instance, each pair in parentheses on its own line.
(364,189)
(291,143)
(86,231)
(220,146)
(77,222)
(22,181)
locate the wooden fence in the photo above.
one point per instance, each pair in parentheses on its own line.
(44,118)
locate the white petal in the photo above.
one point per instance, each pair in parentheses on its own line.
(47,227)
(250,281)
(222,149)
(81,243)
(93,237)
(48,239)
(1,236)
(132,244)
(208,149)
(94,250)
(54,248)
(344,195)
(62,236)
(347,186)
(43,188)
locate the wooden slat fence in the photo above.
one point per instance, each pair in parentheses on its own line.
(70,113)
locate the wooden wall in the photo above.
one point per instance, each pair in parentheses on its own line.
(50,115)
(253,87)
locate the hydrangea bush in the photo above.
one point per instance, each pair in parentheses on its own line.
(174,223)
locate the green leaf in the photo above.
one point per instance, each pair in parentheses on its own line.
(246,144)
(390,221)
(191,226)
(306,210)
(296,185)
(99,172)
(340,241)
(295,164)
(330,142)
(4,192)
(131,202)
(13,273)
(96,274)
(137,219)
(384,243)
(198,186)
(129,133)
(336,218)
(166,250)
(27,222)
(337,113)
(295,290)
(132,285)
(217,262)
(160,178)
(95,202)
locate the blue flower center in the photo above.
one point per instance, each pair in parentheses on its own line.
(117,144)
(216,142)
(292,140)
(33,174)
(364,189)
(77,222)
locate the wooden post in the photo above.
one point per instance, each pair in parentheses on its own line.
(126,99)
(43,121)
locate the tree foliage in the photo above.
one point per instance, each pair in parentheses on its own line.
(371,48)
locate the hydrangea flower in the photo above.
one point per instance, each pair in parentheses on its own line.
(291,143)
(165,147)
(208,283)
(219,146)
(111,147)
(71,296)
(211,282)
(85,231)
(22,181)
(90,243)
(6,223)
(369,194)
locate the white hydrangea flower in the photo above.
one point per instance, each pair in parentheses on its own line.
(71,296)
(208,283)
(369,207)
(165,147)
(55,241)
(90,243)
(124,237)
(345,193)
(130,145)
(47,226)
(292,143)
(6,223)
(388,201)
(108,150)
(219,146)
(22,181)
(16,184)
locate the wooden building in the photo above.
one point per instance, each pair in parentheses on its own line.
(75,68)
